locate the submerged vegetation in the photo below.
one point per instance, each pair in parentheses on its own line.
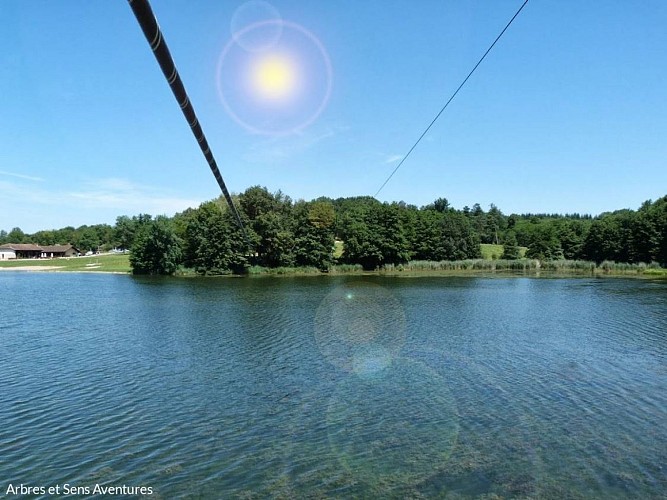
(362,234)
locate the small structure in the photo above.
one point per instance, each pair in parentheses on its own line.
(7,253)
(31,251)
(54,251)
(24,250)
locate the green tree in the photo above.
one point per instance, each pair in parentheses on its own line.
(511,247)
(511,221)
(427,239)
(361,245)
(478,221)
(214,243)
(269,219)
(181,220)
(544,243)
(16,235)
(458,239)
(321,214)
(275,245)
(441,205)
(45,238)
(314,235)
(353,207)
(607,238)
(126,229)
(374,236)
(394,246)
(66,235)
(571,233)
(659,214)
(86,239)
(124,232)
(156,249)
(105,236)
(494,223)
(257,201)
(644,239)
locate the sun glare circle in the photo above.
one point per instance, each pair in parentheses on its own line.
(274,77)
(277,91)
(253,12)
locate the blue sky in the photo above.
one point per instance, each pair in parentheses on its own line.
(567,114)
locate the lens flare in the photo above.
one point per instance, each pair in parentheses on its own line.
(360,328)
(274,77)
(277,91)
(253,12)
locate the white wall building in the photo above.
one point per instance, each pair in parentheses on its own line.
(7,253)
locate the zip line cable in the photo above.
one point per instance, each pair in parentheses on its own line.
(451,98)
(149,25)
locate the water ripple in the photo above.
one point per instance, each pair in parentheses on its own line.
(498,387)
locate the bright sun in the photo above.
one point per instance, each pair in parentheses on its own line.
(274,76)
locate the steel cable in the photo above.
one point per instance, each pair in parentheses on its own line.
(149,25)
(451,98)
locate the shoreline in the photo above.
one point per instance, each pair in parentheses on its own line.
(119,264)
(31,268)
(467,273)
(58,269)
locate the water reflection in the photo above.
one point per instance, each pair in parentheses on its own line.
(219,387)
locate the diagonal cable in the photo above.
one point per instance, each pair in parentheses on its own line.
(144,14)
(451,98)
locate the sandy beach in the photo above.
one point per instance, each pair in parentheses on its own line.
(31,268)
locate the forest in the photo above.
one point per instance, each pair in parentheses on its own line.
(361,232)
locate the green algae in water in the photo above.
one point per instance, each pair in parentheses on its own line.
(394,428)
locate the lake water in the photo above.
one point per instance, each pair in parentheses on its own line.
(342,387)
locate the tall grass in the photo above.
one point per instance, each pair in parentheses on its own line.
(256,270)
(655,272)
(522,265)
(609,266)
(119,263)
(346,268)
(565,266)
(568,265)
(467,265)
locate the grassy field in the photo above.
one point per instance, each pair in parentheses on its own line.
(108,263)
(493,252)
(338,249)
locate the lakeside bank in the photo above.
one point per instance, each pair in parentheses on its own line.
(119,264)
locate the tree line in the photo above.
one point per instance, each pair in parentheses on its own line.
(281,232)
